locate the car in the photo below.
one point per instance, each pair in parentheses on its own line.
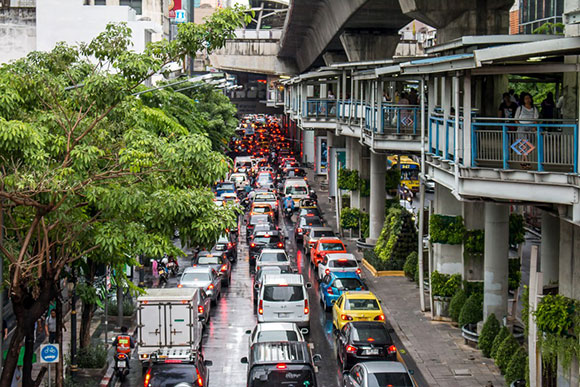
(297,188)
(303,223)
(283,298)
(267,197)
(378,373)
(356,306)
(285,363)
(203,306)
(219,262)
(272,257)
(261,209)
(313,234)
(264,240)
(360,341)
(174,372)
(229,246)
(429,186)
(203,277)
(342,262)
(240,180)
(326,245)
(274,332)
(254,220)
(334,284)
(229,197)
(259,276)
(304,211)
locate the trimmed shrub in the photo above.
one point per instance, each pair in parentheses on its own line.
(411,265)
(392,179)
(93,356)
(445,285)
(457,302)
(517,366)
(446,229)
(472,311)
(348,179)
(502,334)
(128,308)
(398,238)
(488,333)
(505,351)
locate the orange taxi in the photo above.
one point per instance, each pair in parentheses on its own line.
(262,209)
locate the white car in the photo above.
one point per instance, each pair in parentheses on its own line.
(343,262)
(275,332)
(240,179)
(272,257)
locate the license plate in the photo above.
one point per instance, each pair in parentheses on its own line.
(283,315)
(374,351)
(121,364)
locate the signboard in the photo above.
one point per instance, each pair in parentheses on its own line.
(321,156)
(180,16)
(49,353)
(174,5)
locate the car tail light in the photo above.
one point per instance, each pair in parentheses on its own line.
(370,339)
(281,366)
(345,317)
(358,271)
(261,307)
(252,244)
(230,245)
(199,378)
(329,291)
(327,271)
(147,378)
(299,230)
(380,317)
(350,349)
(224,268)
(180,286)
(200,309)
(210,287)
(392,349)
(306,309)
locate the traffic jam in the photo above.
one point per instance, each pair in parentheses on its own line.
(279,301)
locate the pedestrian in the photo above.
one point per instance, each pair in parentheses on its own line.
(16,379)
(331,95)
(527,113)
(50,327)
(560,106)
(513,96)
(507,109)
(413,97)
(154,268)
(548,107)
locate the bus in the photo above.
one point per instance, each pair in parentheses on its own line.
(409,171)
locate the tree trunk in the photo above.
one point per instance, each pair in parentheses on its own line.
(119,303)
(86,318)
(59,326)
(12,357)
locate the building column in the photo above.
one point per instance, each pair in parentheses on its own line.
(378,195)
(495,265)
(447,259)
(550,248)
(308,156)
(355,164)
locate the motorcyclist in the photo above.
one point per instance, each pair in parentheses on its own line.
(288,202)
(124,343)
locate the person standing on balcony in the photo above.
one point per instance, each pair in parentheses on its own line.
(413,97)
(548,107)
(527,114)
(507,109)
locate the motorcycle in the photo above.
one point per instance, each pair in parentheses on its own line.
(163,274)
(173,267)
(288,213)
(121,366)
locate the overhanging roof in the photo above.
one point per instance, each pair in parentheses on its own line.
(486,40)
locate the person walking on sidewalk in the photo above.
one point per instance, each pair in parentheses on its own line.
(50,327)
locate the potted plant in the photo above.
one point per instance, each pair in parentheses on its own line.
(488,333)
(443,287)
(92,363)
(471,314)
(456,303)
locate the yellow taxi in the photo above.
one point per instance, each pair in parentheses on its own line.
(356,306)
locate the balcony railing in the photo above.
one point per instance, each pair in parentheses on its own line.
(401,119)
(350,109)
(320,108)
(441,141)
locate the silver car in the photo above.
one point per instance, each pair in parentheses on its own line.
(203,277)
(313,234)
(378,373)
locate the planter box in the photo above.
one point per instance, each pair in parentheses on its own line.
(382,273)
(441,308)
(89,375)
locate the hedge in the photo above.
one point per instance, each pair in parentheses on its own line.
(517,366)
(445,285)
(503,333)
(506,350)
(457,302)
(348,179)
(398,238)
(472,311)
(411,265)
(488,333)
(446,229)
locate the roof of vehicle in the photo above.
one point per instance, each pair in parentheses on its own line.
(310,219)
(198,269)
(337,256)
(270,251)
(360,294)
(175,294)
(260,216)
(368,324)
(267,233)
(296,180)
(261,204)
(329,240)
(344,274)
(318,228)
(275,326)
(383,366)
(282,352)
(283,279)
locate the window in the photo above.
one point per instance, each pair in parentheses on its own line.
(398,379)
(135,4)
(361,304)
(348,284)
(100,2)
(269,336)
(283,293)
(343,263)
(273,257)
(331,247)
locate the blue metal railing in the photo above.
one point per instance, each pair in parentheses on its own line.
(320,108)
(401,118)
(344,109)
(441,139)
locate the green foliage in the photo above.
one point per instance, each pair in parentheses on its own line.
(488,333)
(472,311)
(514,274)
(516,368)
(345,201)
(398,237)
(474,241)
(394,202)
(365,187)
(549,28)
(526,308)
(554,314)
(128,308)
(516,229)
(350,218)
(392,179)
(473,287)
(88,294)
(446,229)
(456,303)
(411,265)
(505,351)
(371,257)
(93,356)
(445,285)
(503,333)
(348,179)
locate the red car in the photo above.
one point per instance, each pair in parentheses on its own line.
(325,246)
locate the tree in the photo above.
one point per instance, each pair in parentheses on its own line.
(90,172)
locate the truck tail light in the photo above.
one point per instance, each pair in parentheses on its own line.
(180,286)
(350,349)
(261,307)
(281,366)
(306,309)
(200,309)
(280,244)
(392,349)
(210,287)
(199,378)
(380,317)
(224,268)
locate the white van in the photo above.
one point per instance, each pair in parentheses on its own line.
(297,189)
(284,298)
(243,162)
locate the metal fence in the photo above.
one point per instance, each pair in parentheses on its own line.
(320,108)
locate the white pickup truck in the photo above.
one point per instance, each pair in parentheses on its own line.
(168,325)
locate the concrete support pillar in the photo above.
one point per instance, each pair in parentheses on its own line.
(365,173)
(550,248)
(496,255)
(355,164)
(364,46)
(473,263)
(308,149)
(447,258)
(378,195)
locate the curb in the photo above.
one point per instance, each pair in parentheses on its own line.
(382,273)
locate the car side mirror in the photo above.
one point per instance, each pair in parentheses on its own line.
(304,331)
(316,358)
(244,360)
(308,285)
(208,363)
(257,286)
(248,332)
(411,372)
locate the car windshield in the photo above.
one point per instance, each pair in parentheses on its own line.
(220,247)
(279,293)
(274,336)
(296,190)
(192,277)
(265,198)
(331,246)
(361,304)
(238,178)
(310,222)
(398,379)
(271,376)
(323,233)
(273,257)
(165,375)
(347,284)
(376,334)
(342,263)
(263,240)
(261,210)
(259,219)
(209,261)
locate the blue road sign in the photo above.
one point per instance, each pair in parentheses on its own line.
(49,353)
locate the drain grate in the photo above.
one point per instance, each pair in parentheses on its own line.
(462,372)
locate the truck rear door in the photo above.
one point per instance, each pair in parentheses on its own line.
(180,324)
(151,325)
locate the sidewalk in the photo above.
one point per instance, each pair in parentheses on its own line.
(437,348)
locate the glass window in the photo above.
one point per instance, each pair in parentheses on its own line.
(269,376)
(347,284)
(342,263)
(331,247)
(361,304)
(296,190)
(389,379)
(278,293)
(209,260)
(190,277)
(323,233)
(135,4)
(274,336)
(378,334)
(273,257)
(165,375)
